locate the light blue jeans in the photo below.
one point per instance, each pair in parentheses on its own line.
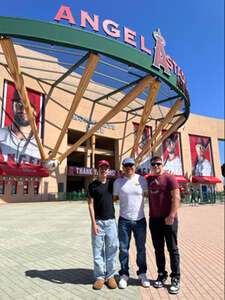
(104,246)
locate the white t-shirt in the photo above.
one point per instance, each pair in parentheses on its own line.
(204,168)
(131,196)
(14,149)
(174,166)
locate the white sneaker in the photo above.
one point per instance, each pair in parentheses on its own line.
(123,281)
(144,280)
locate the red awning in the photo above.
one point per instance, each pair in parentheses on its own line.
(205,179)
(181,178)
(13,169)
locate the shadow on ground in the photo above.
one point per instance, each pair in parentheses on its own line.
(74,276)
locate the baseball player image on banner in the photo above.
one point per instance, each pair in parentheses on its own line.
(17,142)
(144,166)
(172,162)
(201,156)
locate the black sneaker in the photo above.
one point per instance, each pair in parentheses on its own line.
(162,277)
(175,286)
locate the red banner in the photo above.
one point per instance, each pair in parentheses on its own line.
(17,142)
(172,161)
(201,156)
(73,171)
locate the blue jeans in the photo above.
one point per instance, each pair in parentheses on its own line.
(104,246)
(125,228)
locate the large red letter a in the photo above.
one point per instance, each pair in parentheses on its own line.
(68,15)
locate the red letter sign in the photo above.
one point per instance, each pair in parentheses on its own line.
(143,45)
(94,23)
(129,35)
(160,55)
(113,32)
(60,15)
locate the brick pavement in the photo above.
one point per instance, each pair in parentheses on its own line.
(201,245)
(45,253)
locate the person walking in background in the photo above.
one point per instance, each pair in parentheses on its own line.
(164,200)
(104,231)
(129,190)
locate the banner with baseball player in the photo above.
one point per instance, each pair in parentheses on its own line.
(171,149)
(144,166)
(17,142)
(201,155)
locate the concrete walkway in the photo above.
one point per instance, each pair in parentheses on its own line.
(45,253)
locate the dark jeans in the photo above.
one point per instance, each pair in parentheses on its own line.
(160,233)
(125,228)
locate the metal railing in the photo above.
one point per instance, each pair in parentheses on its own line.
(206,198)
(67,196)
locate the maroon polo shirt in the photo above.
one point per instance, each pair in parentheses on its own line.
(160,188)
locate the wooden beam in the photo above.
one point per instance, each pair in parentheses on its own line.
(15,72)
(66,74)
(162,138)
(93,138)
(164,122)
(123,139)
(153,92)
(134,93)
(84,81)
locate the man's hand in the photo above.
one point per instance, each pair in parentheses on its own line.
(95,229)
(169,220)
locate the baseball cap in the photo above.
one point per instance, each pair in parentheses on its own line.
(103,163)
(128,160)
(31,97)
(16,96)
(199,140)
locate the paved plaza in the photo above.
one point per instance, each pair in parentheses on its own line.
(45,253)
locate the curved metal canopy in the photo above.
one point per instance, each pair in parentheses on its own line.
(119,69)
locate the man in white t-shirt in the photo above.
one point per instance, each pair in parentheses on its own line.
(172,163)
(202,166)
(17,142)
(129,190)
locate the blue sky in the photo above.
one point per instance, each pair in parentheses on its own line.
(193,30)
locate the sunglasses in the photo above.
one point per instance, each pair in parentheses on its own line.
(156,164)
(104,167)
(128,165)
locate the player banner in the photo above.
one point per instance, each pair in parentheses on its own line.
(201,155)
(171,148)
(144,166)
(17,142)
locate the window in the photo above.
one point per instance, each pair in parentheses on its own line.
(2,187)
(36,188)
(60,187)
(14,188)
(25,188)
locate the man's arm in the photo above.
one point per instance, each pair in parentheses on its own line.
(115,198)
(115,191)
(174,206)
(145,186)
(95,228)
(146,193)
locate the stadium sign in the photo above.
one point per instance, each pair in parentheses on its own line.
(130,37)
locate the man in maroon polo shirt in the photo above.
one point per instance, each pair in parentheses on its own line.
(164,200)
